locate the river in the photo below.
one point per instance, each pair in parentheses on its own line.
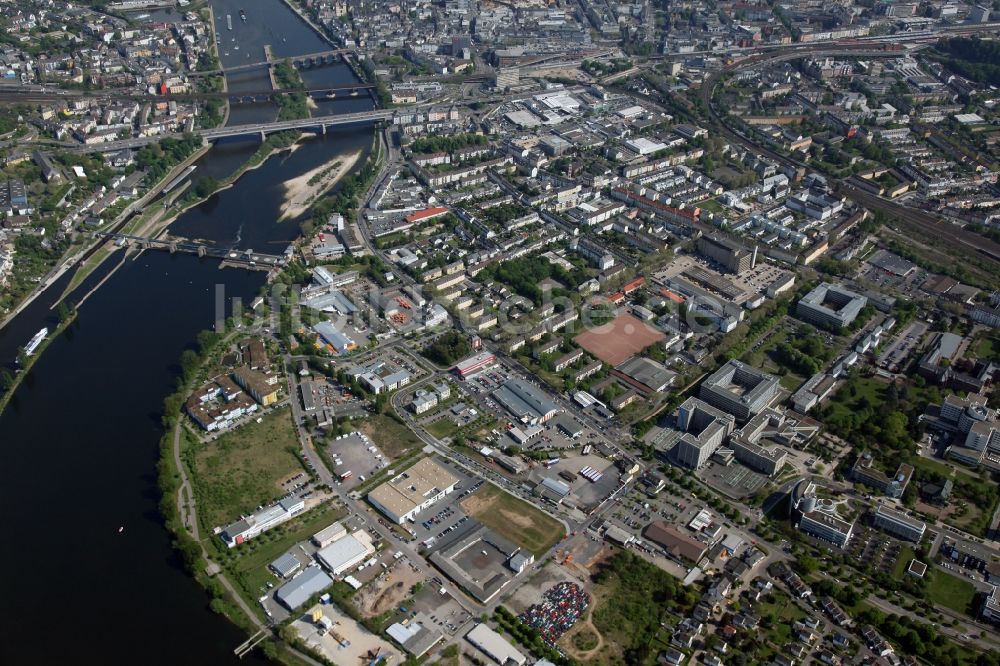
(78,444)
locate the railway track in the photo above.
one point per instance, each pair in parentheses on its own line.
(905,216)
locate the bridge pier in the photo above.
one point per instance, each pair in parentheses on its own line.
(201,251)
(322,128)
(173,248)
(263,137)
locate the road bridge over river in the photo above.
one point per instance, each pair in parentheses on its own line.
(230,256)
(319,124)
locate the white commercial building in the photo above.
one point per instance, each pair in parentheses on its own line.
(346,552)
(495,646)
(410,492)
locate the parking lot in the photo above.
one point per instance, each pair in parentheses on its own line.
(356,456)
(872,548)
(439,609)
(733,480)
(584,493)
(443,517)
(902,346)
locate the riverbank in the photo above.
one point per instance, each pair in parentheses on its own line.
(303,191)
(152,223)
(316,28)
(29,361)
(282,142)
(99,253)
(179,510)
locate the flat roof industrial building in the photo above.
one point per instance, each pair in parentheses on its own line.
(495,646)
(525,402)
(479,560)
(646,375)
(409,492)
(677,544)
(346,552)
(299,589)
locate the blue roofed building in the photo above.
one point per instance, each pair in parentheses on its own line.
(298,590)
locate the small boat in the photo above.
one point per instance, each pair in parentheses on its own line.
(243,15)
(121,529)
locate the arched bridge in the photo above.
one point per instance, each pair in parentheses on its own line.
(307,60)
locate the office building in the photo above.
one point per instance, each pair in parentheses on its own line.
(248,527)
(830,305)
(705,428)
(899,524)
(726,252)
(746,446)
(894,486)
(819,517)
(474,364)
(824,524)
(739,389)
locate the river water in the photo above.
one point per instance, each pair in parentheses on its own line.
(78,444)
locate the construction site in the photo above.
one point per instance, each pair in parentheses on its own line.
(342,640)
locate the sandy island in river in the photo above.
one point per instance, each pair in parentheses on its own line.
(302,191)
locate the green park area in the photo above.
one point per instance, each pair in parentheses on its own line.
(243,468)
(987,346)
(951,592)
(514,519)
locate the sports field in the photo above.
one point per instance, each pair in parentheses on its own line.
(620,339)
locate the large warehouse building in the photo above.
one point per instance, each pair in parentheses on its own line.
(298,590)
(346,552)
(408,493)
(495,646)
(525,402)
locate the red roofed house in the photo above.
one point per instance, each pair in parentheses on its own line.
(676,298)
(633,285)
(426,214)
(685,216)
